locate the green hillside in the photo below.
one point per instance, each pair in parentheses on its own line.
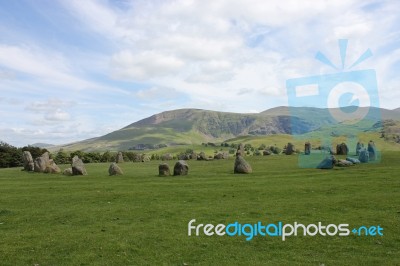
(195,126)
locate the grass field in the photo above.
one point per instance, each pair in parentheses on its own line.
(142,219)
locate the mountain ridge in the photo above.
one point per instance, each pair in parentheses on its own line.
(189,126)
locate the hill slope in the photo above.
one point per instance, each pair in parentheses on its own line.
(194,126)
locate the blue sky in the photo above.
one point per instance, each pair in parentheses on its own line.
(72,70)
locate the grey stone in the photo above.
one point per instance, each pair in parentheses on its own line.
(167,157)
(372,151)
(78,167)
(307,148)
(52,168)
(221,156)
(289,149)
(353,160)
(327,163)
(344,163)
(163,170)
(181,168)
(202,156)
(114,169)
(119,158)
(342,149)
(145,158)
(240,150)
(364,156)
(41,163)
(241,166)
(29,165)
(266,152)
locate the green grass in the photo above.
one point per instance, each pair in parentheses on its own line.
(141,219)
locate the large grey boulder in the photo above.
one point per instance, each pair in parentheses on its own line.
(342,149)
(184,156)
(145,158)
(78,167)
(202,157)
(364,156)
(327,163)
(371,151)
(119,158)
(163,170)
(359,146)
(266,152)
(41,163)
(344,163)
(289,149)
(307,148)
(167,157)
(181,168)
(221,156)
(241,166)
(353,160)
(52,168)
(240,151)
(29,165)
(137,158)
(114,169)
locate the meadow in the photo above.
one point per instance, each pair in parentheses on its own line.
(142,219)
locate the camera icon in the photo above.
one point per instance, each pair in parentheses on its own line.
(348,102)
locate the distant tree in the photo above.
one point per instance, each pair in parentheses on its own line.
(62,157)
(106,157)
(10,156)
(262,147)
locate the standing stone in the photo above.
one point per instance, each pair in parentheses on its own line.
(327,163)
(29,165)
(364,156)
(163,170)
(181,168)
(137,158)
(266,152)
(114,169)
(52,168)
(145,158)
(41,163)
(240,150)
(241,166)
(289,149)
(221,156)
(307,148)
(184,156)
(371,151)
(358,148)
(78,167)
(167,157)
(202,156)
(119,158)
(342,149)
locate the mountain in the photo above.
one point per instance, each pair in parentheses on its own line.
(42,145)
(194,126)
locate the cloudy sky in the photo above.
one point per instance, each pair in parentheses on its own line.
(71,70)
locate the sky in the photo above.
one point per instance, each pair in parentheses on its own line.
(72,70)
